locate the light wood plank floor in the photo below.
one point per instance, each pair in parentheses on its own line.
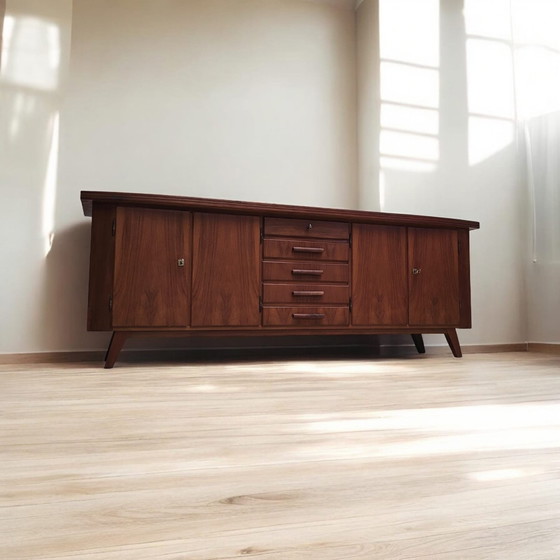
(422,457)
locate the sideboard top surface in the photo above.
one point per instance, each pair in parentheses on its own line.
(261,208)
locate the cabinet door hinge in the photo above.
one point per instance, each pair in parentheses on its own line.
(111,303)
(113,228)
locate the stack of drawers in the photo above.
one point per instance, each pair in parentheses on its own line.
(306,273)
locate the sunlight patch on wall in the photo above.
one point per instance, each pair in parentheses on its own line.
(409,86)
(490,78)
(409,31)
(49,189)
(30,53)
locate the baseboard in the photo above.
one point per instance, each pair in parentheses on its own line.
(443,350)
(274,352)
(544,347)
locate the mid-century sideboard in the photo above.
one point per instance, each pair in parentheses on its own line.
(171,265)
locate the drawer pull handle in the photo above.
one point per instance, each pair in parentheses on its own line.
(416,271)
(308,315)
(306,293)
(300,272)
(308,249)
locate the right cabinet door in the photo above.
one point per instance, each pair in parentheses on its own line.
(226,278)
(434,279)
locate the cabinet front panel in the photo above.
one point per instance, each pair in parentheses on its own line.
(433,256)
(305,316)
(288,227)
(305,293)
(151,285)
(301,271)
(226,271)
(303,249)
(379,275)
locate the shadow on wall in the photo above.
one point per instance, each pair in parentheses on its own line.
(62,319)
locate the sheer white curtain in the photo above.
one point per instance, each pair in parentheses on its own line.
(542,143)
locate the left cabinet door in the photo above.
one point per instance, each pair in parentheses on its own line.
(152,268)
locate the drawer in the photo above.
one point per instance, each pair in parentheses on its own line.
(303,271)
(301,249)
(288,227)
(305,293)
(305,316)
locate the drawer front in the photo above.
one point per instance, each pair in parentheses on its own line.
(305,293)
(301,271)
(288,227)
(309,317)
(301,249)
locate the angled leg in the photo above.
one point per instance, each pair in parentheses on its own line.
(115,346)
(453,341)
(419,343)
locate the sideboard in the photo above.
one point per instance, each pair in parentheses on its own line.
(171,265)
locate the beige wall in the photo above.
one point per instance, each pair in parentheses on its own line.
(245,99)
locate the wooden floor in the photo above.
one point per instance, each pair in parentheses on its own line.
(421,457)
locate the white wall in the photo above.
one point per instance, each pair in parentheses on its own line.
(245,99)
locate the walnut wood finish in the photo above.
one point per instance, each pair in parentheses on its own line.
(305,316)
(306,228)
(305,293)
(301,249)
(453,341)
(419,343)
(301,271)
(379,280)
(226,271)
(252,269)
(139,200)
(102,256)
(433,260)
(151,288)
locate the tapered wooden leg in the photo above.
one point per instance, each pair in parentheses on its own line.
(453,341)
(419,343)
(115,346)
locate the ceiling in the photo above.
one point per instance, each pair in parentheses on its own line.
(346,4)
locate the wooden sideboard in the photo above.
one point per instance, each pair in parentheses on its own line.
(170,265)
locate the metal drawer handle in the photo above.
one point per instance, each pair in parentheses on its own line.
(308,249)
(416,271)
(306,293)
(308,315)
(299,271)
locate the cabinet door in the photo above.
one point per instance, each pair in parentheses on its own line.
(152,268)
(379,275)
(433,256)
(226,271)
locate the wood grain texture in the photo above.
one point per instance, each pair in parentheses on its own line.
(305,271)
(101,268)
(283,460)
(309,227)
(434,295)
(226,271)
(305,317)
(379,275)
(305,293)
(302,249)
(259,209)
(151,290)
